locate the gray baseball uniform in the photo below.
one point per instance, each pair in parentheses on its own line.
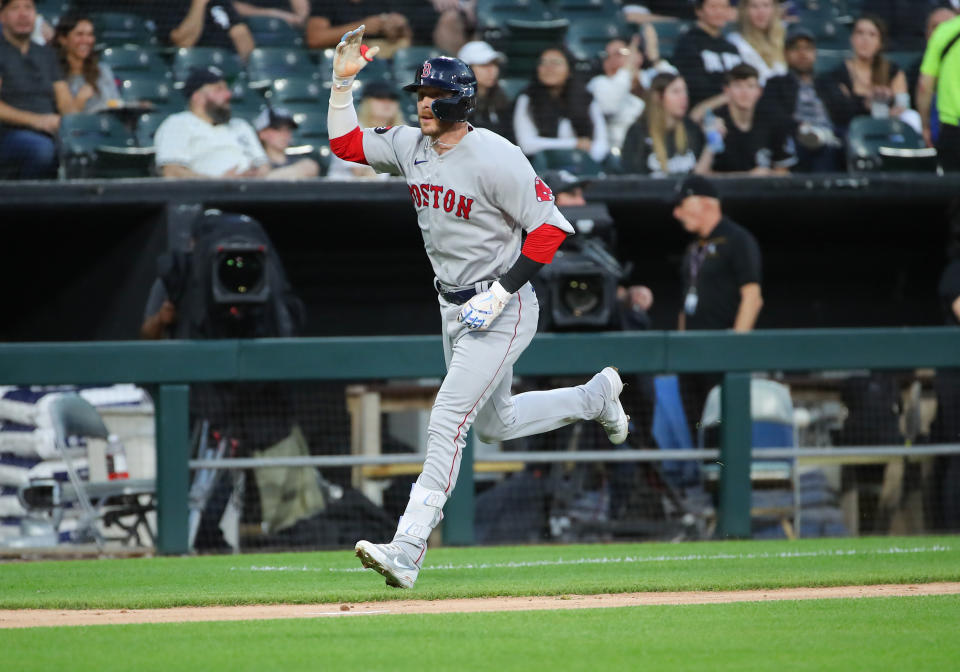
(473,202)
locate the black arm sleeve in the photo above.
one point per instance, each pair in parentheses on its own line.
(520,273)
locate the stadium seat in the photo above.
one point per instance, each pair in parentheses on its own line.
(151,88)
(888,145)
(573,160)
(323,61)
(904,59)
(585,9)
(129,58)
(286,91)
(269,31)
(668,32)
(830,59)
(406,61)
(121,28)
(146,129)
(99,145)
(201,57)
(525,40)
(492,14)
(268,64)
(311,118)
(246,109)
(587,38)
(513,86)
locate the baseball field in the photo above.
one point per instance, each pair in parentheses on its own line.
(843,604)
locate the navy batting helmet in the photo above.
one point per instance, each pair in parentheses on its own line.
(450,74)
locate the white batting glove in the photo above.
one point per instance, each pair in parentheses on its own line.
(480,311)
(351,57)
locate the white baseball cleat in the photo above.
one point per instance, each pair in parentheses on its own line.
(612,418)
(389,560)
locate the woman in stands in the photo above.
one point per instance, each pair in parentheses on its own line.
(869,84)
(557,112)
(760,37)
(92,84)
(665,141)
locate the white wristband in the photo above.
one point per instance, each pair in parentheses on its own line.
(498,291)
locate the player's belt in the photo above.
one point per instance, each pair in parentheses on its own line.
(460,295)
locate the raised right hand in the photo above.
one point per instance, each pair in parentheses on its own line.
(352,55)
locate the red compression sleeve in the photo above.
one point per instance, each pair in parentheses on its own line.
(349,147)
(542,243)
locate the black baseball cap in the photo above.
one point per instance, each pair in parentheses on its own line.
(198,77)
(561,181)
(694,185)
(799,32)
(274,117)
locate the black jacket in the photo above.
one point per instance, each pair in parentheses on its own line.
(704,61)
(780,98)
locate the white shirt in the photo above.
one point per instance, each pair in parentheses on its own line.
(531,142)
(750,56)
(620,107)
(187,140)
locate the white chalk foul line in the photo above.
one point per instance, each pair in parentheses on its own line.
(629,559)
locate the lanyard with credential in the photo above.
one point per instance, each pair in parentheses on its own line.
(697,258)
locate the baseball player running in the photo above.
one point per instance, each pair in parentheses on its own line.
(475,193)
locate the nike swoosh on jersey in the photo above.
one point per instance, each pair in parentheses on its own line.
(417,163)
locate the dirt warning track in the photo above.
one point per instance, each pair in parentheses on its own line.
(32,618)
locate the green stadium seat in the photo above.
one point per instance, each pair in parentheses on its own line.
(573,160)
(128,58)
(246,109)
(525,42)
(829,59)
(202,57)
(268,64)
(587,38)
(311,117)
(286,91)
(323,60)
(377,69)
(888,145)
(100,145)
(122,28)
(156,89)
(904,59)
(585,9)
(269,31)
(512,86)
(492,14)
(668,32)
(407,61)
(146,129)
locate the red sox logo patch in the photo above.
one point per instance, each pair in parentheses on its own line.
(543,191)
(427,69)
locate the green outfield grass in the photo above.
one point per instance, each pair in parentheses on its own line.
(475,572)
(910,633)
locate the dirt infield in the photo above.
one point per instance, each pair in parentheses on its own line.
(30,618)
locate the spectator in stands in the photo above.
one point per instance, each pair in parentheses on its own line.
(934,19)
(557,112)
(92,84)
(33,95)
(869,83)
(493,108)
(796,100)
(616,87)
(294,12)
(275,127)
(202,23)
(721,272)
(940,73)
(703,56)
(760,37)
(753,144)
(379,107)
(665,141)
(391,25)
(905,18)
(204,141)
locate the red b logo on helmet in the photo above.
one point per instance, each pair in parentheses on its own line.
(426,70)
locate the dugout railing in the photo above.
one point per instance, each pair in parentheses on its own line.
(168,369)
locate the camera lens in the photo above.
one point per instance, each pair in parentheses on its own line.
(240,272)
(582,295)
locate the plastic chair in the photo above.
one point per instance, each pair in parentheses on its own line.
(492,14)
(889,145)
(186,58)
(285,91)
(129,58)
(407,61)
(771,412)
(146,129)
(122,28)
(269,31)
(267,64)
(106,503)
(572,160)
(587,37)
(829,59)
(99,145)
(584,9)
(523,42)
(156,89)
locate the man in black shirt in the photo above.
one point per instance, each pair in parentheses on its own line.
(201,23)
(721,271)
(703,56)
(754,144)
(33,95)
